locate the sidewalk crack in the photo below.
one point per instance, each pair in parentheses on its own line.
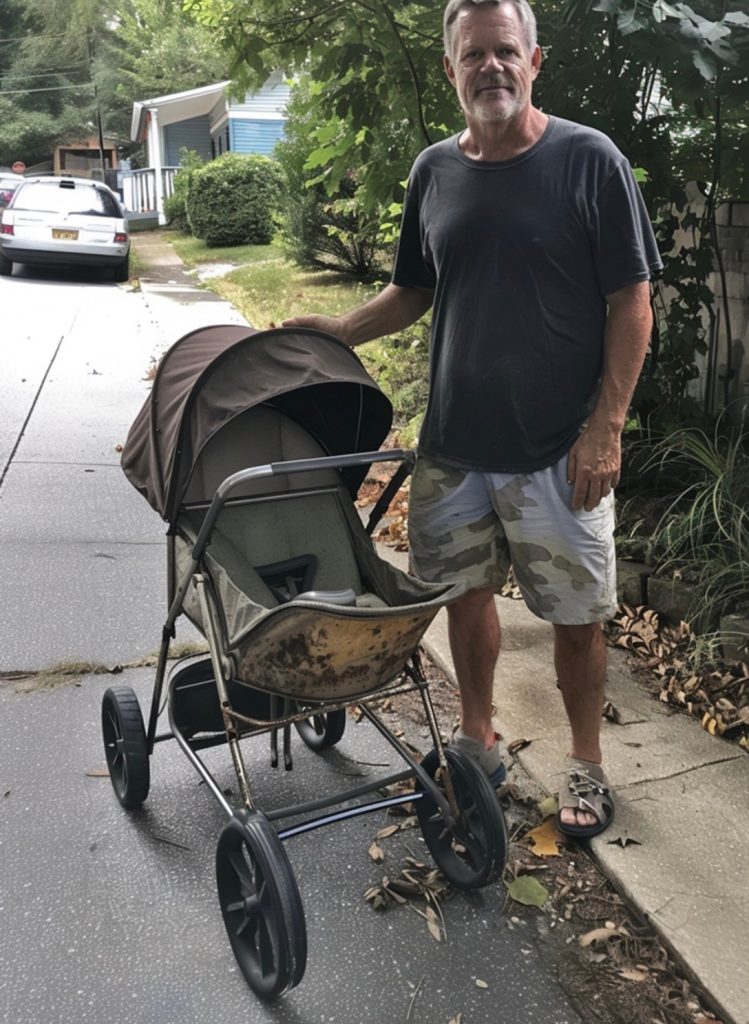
(682,771)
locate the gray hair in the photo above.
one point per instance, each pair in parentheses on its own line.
(524,12)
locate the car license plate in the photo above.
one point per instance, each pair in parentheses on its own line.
(69,236)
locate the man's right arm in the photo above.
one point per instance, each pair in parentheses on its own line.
(392,310)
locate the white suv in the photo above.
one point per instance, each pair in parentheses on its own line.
(64,222)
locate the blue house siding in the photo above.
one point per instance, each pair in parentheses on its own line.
(192,134)
(254,136)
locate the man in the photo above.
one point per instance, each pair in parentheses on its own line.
(528,237)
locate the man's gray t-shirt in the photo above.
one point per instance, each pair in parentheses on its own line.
(520,255)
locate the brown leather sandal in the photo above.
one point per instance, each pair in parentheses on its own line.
(585,789)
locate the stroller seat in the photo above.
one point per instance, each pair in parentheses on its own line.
(280,557)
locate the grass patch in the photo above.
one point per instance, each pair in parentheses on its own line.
(266,294)
(194,251)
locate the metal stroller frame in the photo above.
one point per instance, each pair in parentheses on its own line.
(457,808)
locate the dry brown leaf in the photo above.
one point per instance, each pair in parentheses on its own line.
(481,984)
(544,839)
(517,745)
(456,1019)
(433,924)
(389,830)
(97,773)
(376,853)
(635,975)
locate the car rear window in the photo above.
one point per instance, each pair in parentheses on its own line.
(54,197)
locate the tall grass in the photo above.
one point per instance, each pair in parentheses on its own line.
(702,533)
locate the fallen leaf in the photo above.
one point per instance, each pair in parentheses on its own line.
(481,984)
(635,975)
(624,840)
(548,806)
(97,773)
(544,839)
(456,1019)
(433,925)
(376,852)
(528,890)
(389,830)
(517,745)
(7,792)
(611,712)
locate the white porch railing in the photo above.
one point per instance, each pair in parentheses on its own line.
(139,188)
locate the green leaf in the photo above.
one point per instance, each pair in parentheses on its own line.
(608,6)
(528,890)
(640,175)
(705,65)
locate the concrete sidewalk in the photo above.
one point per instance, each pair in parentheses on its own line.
(682,795)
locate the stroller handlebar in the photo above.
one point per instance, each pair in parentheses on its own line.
(276,468)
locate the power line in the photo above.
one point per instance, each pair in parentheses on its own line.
(22,39)
(47,74)
(50,88)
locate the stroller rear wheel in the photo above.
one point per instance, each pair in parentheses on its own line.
(261,905)
(472,853)
(125,745)
(323,730)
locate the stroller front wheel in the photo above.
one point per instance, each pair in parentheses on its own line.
(472,853)
(261,905)
(125,745)
(324,730)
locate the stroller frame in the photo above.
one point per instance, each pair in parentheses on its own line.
(234,718)
(456,806)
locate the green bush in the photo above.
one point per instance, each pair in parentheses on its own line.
(319,230)
(400,365)
(233,200)
(175,207)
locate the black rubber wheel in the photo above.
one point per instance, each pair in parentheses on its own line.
(122,271)
(323,730)
(471,854)
(261,905)
(125,745)
(6,266)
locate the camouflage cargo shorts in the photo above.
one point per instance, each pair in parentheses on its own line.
(467,525)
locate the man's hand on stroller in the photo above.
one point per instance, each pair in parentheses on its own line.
(335,325)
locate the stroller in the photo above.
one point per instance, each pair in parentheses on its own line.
(251,446)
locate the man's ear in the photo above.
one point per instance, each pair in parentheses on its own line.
(536,58)
(449,69)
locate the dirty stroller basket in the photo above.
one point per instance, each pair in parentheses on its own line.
(252,447)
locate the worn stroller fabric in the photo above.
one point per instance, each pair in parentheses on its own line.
(225,399)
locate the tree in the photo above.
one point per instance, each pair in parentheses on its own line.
(75,59)
(667,82)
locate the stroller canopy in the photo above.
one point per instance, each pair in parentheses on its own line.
(213,374)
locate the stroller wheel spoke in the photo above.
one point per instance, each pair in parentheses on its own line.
(261,905)
(471,852)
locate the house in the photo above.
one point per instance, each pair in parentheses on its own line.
(205,120)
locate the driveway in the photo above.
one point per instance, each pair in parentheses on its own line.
(110,916)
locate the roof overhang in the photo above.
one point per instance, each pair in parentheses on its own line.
(178,106)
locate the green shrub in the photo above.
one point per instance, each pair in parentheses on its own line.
(175,207)
(233,200)
(319,230)
(698,528)
(400,365)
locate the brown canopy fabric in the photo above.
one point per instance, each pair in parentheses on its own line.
(215,373)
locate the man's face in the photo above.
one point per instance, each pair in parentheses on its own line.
(490,65)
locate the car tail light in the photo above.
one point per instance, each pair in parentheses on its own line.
(120,236)
(6,229)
